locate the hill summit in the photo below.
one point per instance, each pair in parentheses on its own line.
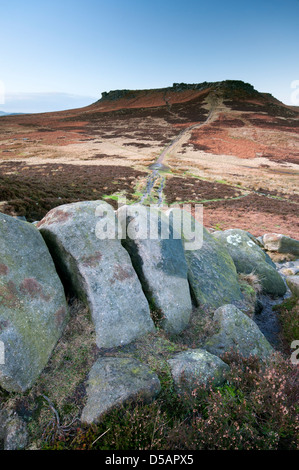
(178,87)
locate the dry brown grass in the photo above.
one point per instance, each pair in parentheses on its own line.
(253,280)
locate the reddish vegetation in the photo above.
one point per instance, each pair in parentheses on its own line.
(217,138)
(219,142)
(194,189)
(246,124)
(34,190)
(147,99)
(46,129)
(254,213)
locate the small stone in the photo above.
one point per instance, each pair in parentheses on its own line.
(293,283)
(280,243)
(115,381)
(236,331)
(196,368)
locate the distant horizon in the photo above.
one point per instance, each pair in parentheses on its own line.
(39,102)
(33,103)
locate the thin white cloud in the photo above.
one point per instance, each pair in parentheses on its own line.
(44,102)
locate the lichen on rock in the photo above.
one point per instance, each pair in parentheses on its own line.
(33,308)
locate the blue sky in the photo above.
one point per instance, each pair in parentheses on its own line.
(75,49)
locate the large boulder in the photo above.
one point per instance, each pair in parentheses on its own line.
(250,258)
(293,284)
(83,240)
(211,271)
(236,331)
(196,368)
(160,264)
(114,381)
(280,243)
(33,309)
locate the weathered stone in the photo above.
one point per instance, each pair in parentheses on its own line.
(33,309)
(159,263)
(288,268)
(211,270)
(115,381)
(195,368)
(98,270)
(280,243)
(13,431)
(250,258)
(293,283)
(237,332)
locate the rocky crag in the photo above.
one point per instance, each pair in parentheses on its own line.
(131,286)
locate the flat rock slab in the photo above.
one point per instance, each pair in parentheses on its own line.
(160,264)
(280,243)
(114,381)
(250,258)
(196,368)
(211,271)
(98,269)
(237,332)
(293,283)
(33,308)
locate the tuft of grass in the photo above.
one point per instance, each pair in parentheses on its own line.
(251,287)
(222,181)
(281,257)
(252,280)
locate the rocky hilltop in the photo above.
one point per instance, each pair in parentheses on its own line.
(227,85)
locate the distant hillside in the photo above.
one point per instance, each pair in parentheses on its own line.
(3,113)
(180,87)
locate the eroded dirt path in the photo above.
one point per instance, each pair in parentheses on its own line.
(155,180)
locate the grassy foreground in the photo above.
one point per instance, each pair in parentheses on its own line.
(257,408)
